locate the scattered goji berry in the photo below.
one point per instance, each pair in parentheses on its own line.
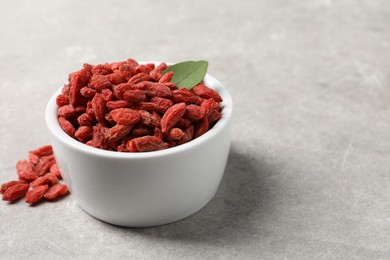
(15,192)
(36,194)
(56,191)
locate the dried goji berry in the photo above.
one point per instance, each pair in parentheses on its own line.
(150,119)
(49,179)
(116,78)
(55,170)
(146,144)
(141,130)
(66,111)
(117,104)
(25,170)
(67,126)
(99,82)
(15,192)
(62,100)
(138,78)
(56,191)
(194,112)
(156,74)
(107,94)
(6,185)
(84,133)
(88,92)
(101,69)
(162,104)
(201,128)
(125,116)
(99,108)
(175,134)
(206,92)
(118,131)
(166,77)
(134,96)
(77,80)
(43,151)
(44,164)
(185,95)
(36,194)
(85,120)
(172,116)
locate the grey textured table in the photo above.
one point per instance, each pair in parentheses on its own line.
(308,174)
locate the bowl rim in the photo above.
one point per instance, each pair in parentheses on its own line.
(57,132)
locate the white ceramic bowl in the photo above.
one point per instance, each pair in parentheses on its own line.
(144,189)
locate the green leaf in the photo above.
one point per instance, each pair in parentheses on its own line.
(188,74)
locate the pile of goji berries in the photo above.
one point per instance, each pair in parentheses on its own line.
(131,107)
(38,178)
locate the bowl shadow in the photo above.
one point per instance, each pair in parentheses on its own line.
(242,200)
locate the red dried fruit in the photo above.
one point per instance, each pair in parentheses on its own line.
(149,106)
(84,133)
(43,151)
(85,120)
(185,95)
(44,164)
(56,171)
(166,78)
(134,96)
(145,68)
(62,100)
(15,192)
(116,78)
(66,111)
(125,116)
(206,92)
(188,134)
(118,131)
(99,108)
(141,130)
(25,170)
(162,104)
(67,126)
(156,74)
(116,65)
(98,137)
(88,92)
(36,194)
(201,128)
(6,185)
(138,78)
(146,144)
(101,69)
(209,105)
(78,80)
(107,95)
(175,134)
(214,116)
(56,191)
(194,112)
(158,133)
(49,179)
(150,119)
(99,82)
(111,105)
(33,158)
(160,90)
(172,116)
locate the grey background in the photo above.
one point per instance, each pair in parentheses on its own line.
(308,173)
